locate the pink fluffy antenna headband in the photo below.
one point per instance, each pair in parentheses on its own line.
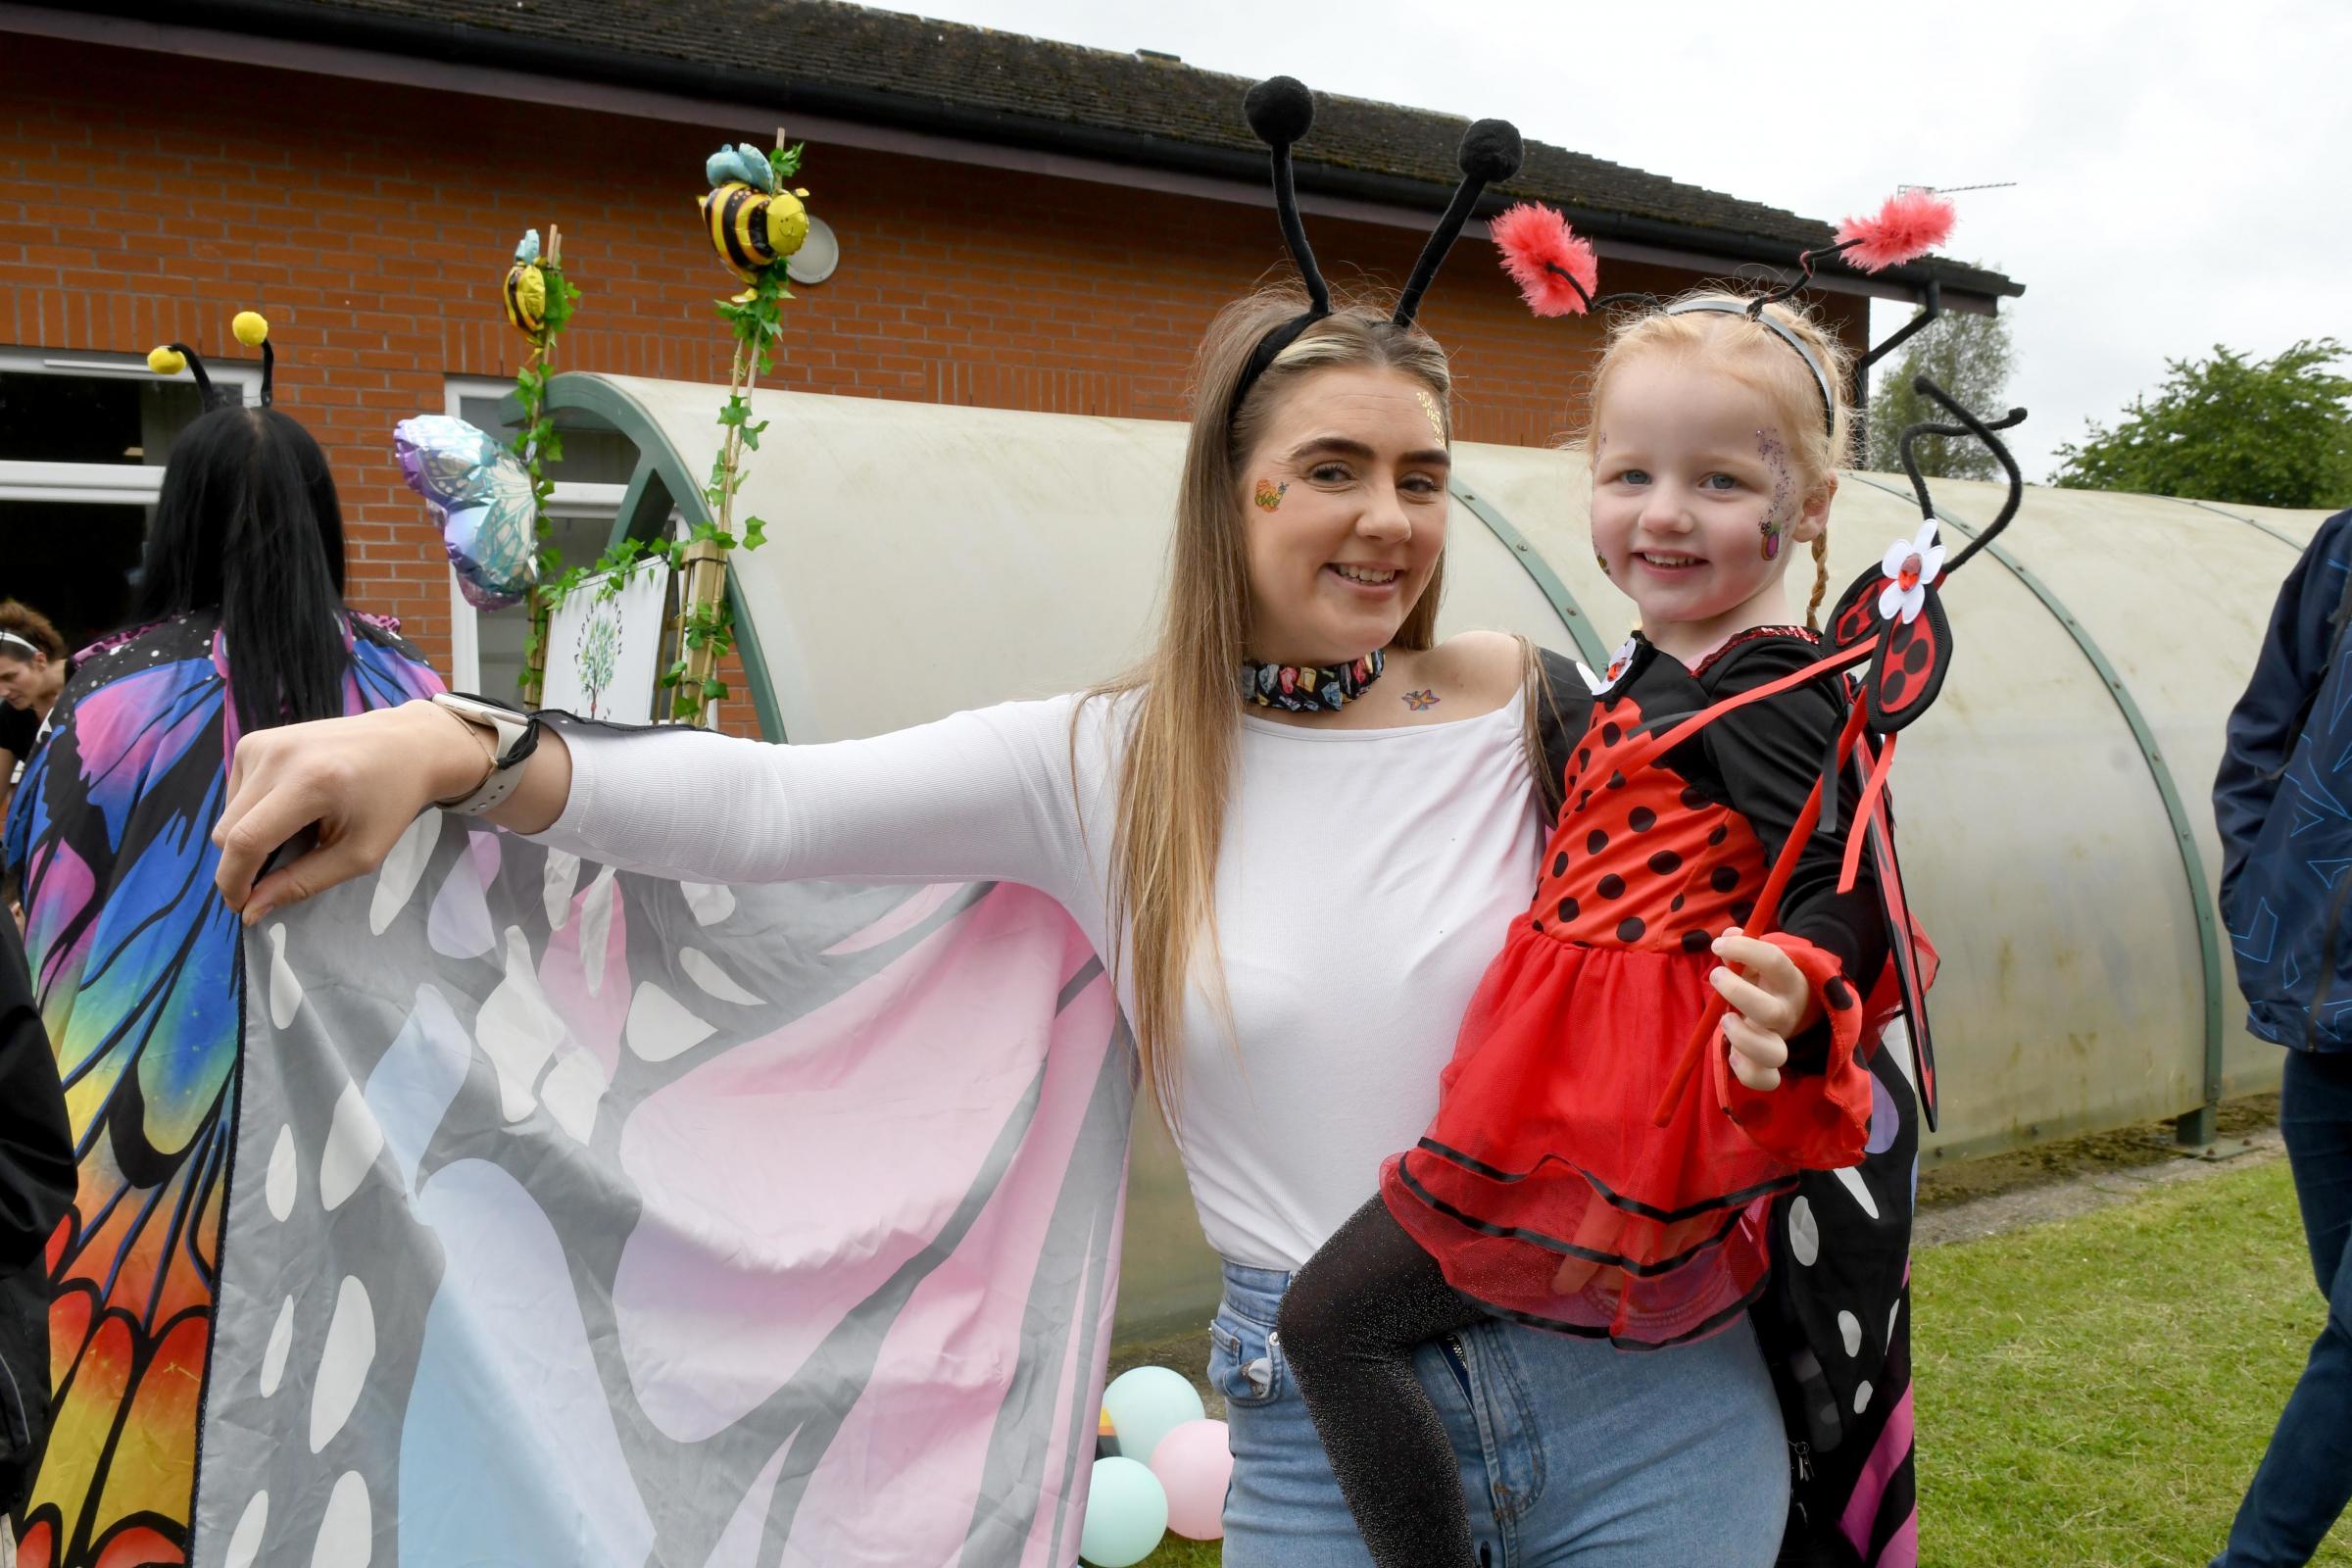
(1558,274)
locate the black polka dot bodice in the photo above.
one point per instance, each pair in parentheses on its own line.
(1656,858)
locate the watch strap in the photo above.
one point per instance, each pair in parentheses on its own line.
(514,736)
(497,787)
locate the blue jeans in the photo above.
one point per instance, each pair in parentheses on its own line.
(2305,1477)
(1572,1452)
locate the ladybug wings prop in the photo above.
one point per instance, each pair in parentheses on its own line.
(1892,624)
(1900,602)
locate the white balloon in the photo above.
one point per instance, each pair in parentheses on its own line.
(1126,1515)
(1146,1403)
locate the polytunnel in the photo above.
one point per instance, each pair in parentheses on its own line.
(2056,831)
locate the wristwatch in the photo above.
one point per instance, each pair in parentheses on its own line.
(515,736)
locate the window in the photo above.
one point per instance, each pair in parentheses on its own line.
(84,438)
(487,645)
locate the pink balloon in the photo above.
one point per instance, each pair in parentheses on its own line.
(1194,1464)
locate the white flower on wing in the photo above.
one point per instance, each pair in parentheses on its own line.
(1911,566)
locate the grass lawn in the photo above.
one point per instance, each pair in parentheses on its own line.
(2095,1394)
(2098,1392)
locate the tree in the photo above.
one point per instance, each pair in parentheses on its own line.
(1969,357)
(2260,432)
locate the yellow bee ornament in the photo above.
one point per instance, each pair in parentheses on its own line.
(754,223)
(526,289)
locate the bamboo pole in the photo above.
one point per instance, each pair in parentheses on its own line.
(701,584)
(534,665)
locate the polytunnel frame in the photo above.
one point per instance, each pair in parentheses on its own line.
(659,465)
(1531,560)
(2196,1128)
(660,470)
(2285,539)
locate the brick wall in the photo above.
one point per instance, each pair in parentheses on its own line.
(145,198)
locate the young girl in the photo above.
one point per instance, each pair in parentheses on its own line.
(1543,1192)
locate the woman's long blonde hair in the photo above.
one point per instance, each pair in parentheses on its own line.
(1755,356)
(1178,764)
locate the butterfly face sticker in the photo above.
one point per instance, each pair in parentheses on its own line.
(1269,494)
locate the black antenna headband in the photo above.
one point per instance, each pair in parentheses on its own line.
(250,329)
(1281,111)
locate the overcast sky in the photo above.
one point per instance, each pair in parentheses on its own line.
(2184,171)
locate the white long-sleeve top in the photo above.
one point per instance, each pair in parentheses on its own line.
(1366,879)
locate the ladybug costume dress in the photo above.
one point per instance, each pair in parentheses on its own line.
(1541,1187)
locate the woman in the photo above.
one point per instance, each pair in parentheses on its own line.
(1295,904)
(240,627)
(32,671)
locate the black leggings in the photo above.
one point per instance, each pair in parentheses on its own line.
(1350,1324)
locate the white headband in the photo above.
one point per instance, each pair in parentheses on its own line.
(32,648)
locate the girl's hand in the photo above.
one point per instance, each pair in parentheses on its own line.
(1770,999)
(359,781)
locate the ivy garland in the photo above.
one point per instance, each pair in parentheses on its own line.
(536,444)
(757,319)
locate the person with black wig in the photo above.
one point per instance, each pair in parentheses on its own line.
(238,625)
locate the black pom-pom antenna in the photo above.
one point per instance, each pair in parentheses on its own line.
(1491,151)
(1281,111)
(1490,155)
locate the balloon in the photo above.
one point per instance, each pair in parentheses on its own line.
(1145,1405)
(741,162)
(481,498)
(1107,1438)
(1194,1465)
(1126,1514)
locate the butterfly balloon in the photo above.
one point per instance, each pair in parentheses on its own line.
(482,495)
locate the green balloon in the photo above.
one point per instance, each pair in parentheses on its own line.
(1126,1514)
(1145,1405)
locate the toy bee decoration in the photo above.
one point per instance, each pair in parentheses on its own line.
(526,290)
(755,223)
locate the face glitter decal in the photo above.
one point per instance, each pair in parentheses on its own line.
(1437,420)
(1784,486)
(1269,494)
(1421,700)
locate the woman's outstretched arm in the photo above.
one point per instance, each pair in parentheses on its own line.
(987,793)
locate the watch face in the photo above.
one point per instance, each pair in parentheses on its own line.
(516,729)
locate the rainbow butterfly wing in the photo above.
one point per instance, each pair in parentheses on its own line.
(135,963)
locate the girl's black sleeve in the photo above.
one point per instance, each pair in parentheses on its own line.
(1764,759)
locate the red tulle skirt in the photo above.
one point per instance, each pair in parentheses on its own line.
(1542,1188)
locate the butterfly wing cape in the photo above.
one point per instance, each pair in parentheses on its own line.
(134,963)
(588,1218)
